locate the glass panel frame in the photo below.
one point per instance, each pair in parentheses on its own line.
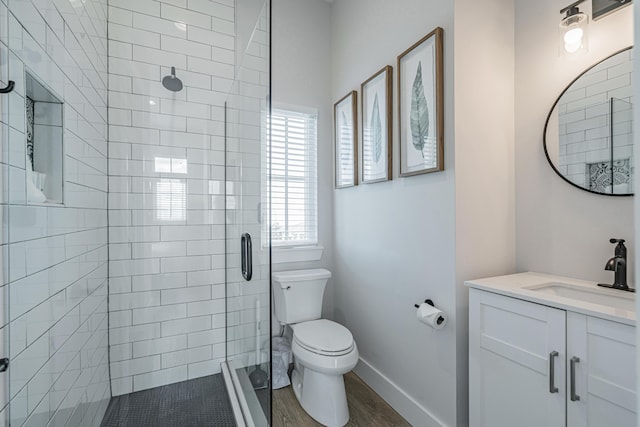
(247,211)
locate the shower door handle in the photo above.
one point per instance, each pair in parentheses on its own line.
(9,87)
(246,254)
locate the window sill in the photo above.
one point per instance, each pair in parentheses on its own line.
(281,255)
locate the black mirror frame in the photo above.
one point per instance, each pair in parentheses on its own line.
(546,124)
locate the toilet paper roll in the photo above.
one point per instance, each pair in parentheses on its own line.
(430,315)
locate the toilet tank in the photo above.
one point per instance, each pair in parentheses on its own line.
(298,294)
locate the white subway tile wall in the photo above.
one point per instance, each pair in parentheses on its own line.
(55,256)
(166,189)
(248,303)
(584,118)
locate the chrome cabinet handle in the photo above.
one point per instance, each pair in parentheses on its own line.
(552,372)
(572,363)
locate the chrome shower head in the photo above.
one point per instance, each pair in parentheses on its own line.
(171,82)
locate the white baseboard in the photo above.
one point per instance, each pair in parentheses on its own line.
(405,405)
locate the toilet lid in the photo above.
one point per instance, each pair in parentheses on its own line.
(324,336)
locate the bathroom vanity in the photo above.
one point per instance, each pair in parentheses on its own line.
(550,351)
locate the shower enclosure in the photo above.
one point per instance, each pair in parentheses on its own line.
(135,232)
(248,249)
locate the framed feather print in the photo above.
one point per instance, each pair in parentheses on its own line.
(377,104)
(345,113)
(420,106)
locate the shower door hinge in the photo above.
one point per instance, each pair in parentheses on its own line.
(4,364)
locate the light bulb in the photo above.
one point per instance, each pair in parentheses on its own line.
(573,34)
(573,40)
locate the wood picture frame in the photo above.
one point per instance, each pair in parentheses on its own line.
(376,98)
(345,133)
(421,106)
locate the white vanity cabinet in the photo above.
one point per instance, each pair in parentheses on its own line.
(602,353)
(513,345)
(531,365)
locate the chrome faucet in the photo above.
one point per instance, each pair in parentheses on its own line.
(618,264)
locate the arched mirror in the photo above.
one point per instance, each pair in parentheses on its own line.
(588,136)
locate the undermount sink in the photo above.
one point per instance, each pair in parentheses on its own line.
(601,296)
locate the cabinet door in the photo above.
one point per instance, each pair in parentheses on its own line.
(512,345)
(605,375)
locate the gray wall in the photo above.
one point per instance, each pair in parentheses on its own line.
(301,77)
(511,214)
(395,241)
(560,230)
(484,158)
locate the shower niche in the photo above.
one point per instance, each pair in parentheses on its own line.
(44,139)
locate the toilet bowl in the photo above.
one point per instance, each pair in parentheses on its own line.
(323,351)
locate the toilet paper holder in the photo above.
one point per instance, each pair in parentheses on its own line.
(436,319)
(427,301)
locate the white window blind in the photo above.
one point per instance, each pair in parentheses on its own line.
(171,200)
(293,178)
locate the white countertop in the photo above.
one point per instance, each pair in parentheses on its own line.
(516,286)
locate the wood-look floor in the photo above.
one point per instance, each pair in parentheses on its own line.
(366,408)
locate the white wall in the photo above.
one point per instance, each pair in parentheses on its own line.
(246,173)
(247,13)
(54,256)
(167,223)
(636,130)
(512,213)
(301,76)
(484,157)
(394,241)
(560,230)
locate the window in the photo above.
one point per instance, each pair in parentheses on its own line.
(171,200)
(293,178)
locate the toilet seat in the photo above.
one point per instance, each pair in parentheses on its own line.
(325,363)
(323,352)
(323,337)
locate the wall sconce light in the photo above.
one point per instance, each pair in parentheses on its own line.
(573,34)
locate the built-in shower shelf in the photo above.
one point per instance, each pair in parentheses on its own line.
(44,144)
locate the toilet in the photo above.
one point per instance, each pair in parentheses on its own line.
(323,350)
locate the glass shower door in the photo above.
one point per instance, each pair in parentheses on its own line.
(247,227)
(622,178)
